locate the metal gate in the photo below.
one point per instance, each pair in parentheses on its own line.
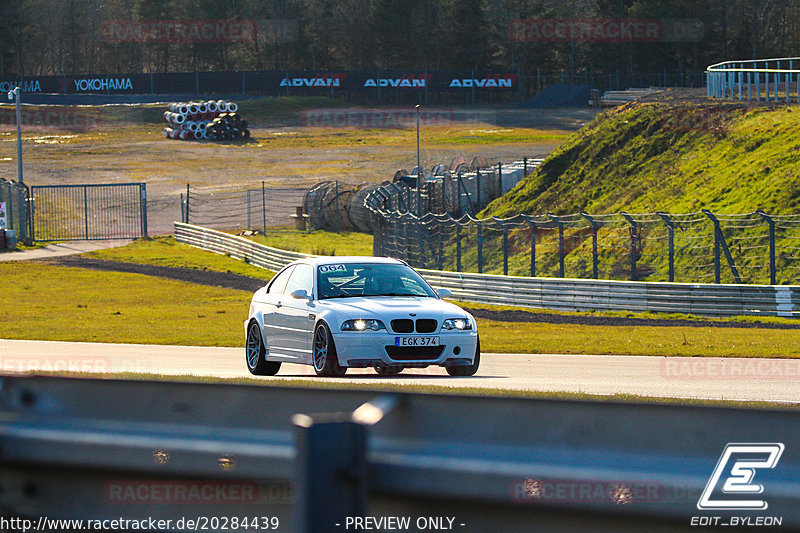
(79,212)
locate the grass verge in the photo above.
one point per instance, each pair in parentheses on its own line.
(167,252)
(72,304)
(319,242)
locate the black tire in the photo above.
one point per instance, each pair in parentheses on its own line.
(323,352)
(391,370)
(254,353)
(470,370)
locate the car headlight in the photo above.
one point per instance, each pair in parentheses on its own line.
(457,323)
(361,324)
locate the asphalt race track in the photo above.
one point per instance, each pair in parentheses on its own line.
(678,377)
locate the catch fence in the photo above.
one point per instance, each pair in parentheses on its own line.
(701,247)
(249,209)
(458,188)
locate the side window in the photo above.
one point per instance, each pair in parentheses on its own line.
(301,278)
(279,283)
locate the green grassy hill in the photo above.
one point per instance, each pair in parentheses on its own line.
(674,158)
(680,159)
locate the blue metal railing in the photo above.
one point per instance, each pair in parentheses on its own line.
(770,80)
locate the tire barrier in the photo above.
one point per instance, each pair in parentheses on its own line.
(329,205)
(210,120)
(454,188)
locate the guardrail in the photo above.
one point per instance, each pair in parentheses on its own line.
(771,80)
(549,293)
(212,454)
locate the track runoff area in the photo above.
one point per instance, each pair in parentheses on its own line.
(732,379)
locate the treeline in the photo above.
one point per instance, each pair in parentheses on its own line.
(45,37)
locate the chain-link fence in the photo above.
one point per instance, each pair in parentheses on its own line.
(455,189)
(14,208)
(249,209)
(701,247)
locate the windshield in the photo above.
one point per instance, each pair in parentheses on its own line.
(370,279)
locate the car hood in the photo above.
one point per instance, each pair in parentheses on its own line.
(393,307)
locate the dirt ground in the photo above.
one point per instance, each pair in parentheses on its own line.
(280,153)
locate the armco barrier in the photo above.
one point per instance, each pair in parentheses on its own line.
(549,293)
(215,453)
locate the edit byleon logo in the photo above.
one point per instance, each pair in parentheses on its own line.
(732,486)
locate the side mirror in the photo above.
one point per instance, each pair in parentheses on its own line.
(444,293)
(300,294)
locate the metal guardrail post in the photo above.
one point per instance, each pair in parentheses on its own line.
(330,475)
(671,243)
(595,225)
(719,243)
(331,468)
(771,224)
(634,230)
(561,250)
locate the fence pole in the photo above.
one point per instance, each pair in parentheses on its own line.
(143,209)
(499,180)
(458,247)
(505,246)
(439,228)
(771,223)
(524,166)
(533,246)
(86,210)
(247,194)
(561,251)
(478,189)
(264,206)
(719,243)
(634,243)
(336,199)
(671,245)
(480,247)
(594,224)
(421,241)
(187,203)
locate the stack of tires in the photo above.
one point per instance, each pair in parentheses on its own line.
(211,120)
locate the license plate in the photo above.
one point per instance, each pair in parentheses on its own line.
(416,341)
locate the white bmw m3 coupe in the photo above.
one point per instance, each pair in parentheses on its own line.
(337,313)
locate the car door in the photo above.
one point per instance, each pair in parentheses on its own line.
(295,314)
(273,321)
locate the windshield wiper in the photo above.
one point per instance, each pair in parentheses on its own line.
(340,296)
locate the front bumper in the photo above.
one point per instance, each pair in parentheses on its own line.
(370,348)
